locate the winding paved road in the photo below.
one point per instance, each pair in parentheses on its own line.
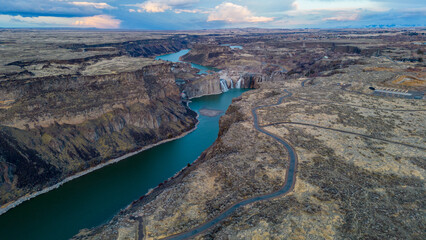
(287,187)
(291,170)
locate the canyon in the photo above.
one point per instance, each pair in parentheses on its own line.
(358,154)
(59,117)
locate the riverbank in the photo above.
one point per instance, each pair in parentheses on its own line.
(95,198)
(9,206)
(6,207)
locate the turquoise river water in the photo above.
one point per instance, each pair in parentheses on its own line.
(174,57)
(95,198)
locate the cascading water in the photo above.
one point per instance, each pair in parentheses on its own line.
(239,82)
(224,85)
(232,84)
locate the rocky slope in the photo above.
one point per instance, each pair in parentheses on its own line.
(239,67)
(360,172)
(208,55)
(193,84)
(361,154)
(68,104)
(60,118)
(201,86)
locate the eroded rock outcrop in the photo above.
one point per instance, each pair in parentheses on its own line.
(359,173)
(208,55)
(208,85)
(54,127)
(192,84)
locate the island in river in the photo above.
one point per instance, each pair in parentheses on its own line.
(210,112)
(96,197)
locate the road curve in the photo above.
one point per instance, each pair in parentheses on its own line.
(287,187)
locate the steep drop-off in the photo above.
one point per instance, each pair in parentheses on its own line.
(54,127)
(208,55)
(359,173)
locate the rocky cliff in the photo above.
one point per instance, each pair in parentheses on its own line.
(359,174)
(208,55)
(206,85)
(192,84)
(240,68)
(54,127)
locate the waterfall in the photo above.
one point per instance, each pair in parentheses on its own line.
(238,85)
(232,84)
(223,85)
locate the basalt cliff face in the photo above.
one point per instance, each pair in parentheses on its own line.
(207,85)
(359,173)
(240,68)
(192,84)
(349,120)
(359,152)
(208,55)
(60,118)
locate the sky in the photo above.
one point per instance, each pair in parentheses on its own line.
(210,14)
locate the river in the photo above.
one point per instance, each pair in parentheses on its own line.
(95,198)
(175,57)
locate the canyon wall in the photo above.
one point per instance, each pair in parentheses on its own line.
(192,84)
(207,85)
(208,55)
(54,127)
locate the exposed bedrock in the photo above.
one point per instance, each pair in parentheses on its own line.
(192,84)
(208,55)
(208,85)
(236,79)
(73,59)
(55,127)
(252,80)
(348,187)
(230,170)
(241,69)
(137,48)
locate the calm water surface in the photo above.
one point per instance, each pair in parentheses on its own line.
(95,198)
(174,57)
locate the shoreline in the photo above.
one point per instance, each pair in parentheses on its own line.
(155,191)
(8,206)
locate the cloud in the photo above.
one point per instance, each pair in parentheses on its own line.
(343,16)
(315,5)
(98,21)
(189,11)
(200,14)
(233,13)
(397,17)
(92,4)
(322,13)
(31,8)
(154,7)
(157,6)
